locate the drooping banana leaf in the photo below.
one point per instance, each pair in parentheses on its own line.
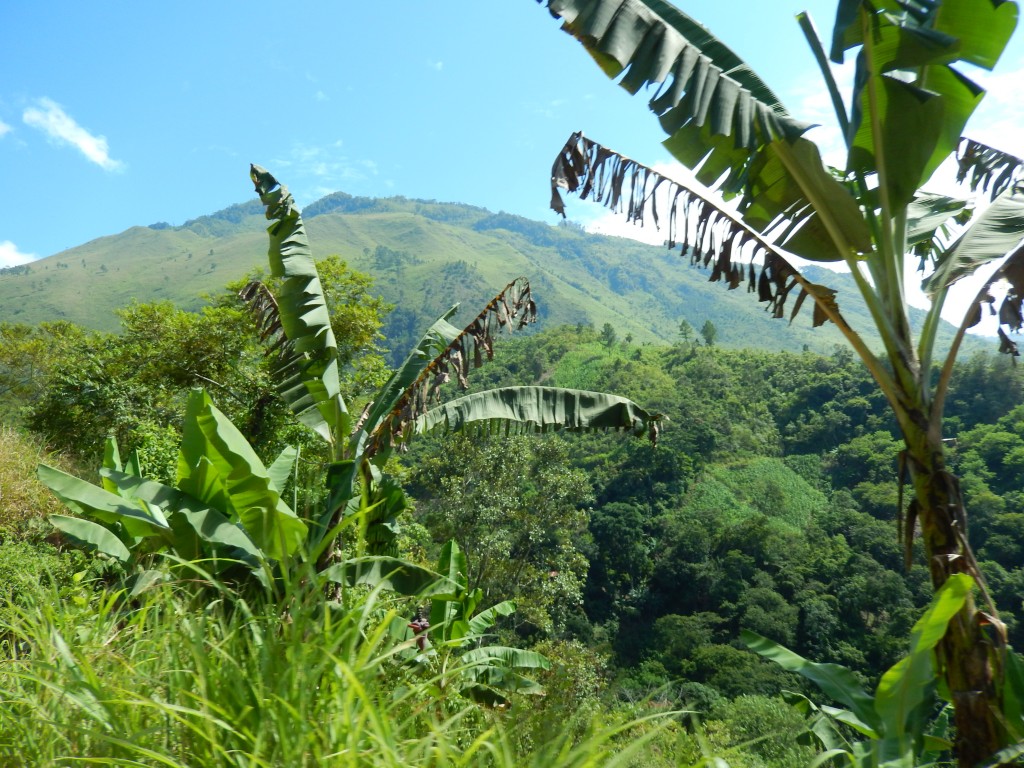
(523,410)
(511,658)
(835,681)
(989,168)
(713,236)
(442,352)
(92,535)
(203,521)
(307,371)
(929,212)
(995,232)
(93,501)
(721,120)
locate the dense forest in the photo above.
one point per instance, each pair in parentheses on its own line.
(771,502)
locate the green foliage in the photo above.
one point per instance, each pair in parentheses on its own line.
(298,326)
(453,647)
(709,333)
(896,717)
(78,386)
(224,508)
(30,573)
(517,510)
(906,113)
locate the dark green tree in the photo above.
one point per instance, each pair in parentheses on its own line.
(709,333)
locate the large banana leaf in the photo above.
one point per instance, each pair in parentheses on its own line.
(995,232)
(215,455)
(981,28)
(92,535)
(706,91)
(539,409)
(494,671)
(904,130)
(486,619)
(93,501)
(834,680)
(402,576)
(511,658)
(903,692)
(203,521)
(308,363)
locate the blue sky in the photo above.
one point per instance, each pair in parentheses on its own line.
(121,114)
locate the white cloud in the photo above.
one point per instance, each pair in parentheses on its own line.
(313,171)
(10,256)
(4,129)
(436,65)
(321,96)
(51,119)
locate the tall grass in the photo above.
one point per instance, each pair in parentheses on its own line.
(191,674)
(23,499)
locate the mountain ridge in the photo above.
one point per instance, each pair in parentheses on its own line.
(424,256)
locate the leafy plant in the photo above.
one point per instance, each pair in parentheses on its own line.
(296,325)
(453,645)
(225,507)
(908,109)
(897,719)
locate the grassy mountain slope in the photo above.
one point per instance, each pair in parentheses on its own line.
(424,256)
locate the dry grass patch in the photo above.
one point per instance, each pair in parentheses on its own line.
(22,497)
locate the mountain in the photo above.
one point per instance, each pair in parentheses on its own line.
(424,256)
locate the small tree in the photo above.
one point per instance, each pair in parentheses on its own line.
(608,335)
(709,333)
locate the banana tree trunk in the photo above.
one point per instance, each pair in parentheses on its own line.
(968,660)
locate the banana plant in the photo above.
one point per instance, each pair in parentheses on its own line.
(295,324)
(453,642)
(910,104)
(896,721)
(225,508)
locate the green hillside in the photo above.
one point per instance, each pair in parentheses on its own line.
(424,257)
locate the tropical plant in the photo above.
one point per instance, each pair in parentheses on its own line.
(897,720)
(907,112)
(453,643)
(296,324)
(225,508)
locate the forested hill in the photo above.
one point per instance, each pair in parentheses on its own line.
(424,256)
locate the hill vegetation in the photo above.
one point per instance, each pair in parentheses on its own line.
(424,256)
(769,504)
